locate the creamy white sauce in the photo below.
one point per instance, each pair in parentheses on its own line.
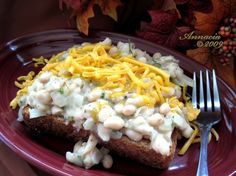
(91,108)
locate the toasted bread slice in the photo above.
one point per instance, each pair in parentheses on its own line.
(139,151)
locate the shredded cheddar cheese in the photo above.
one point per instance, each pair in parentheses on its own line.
(93,62)
(23,82)
(192,113)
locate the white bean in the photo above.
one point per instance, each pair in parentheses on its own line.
(114,122)
(94,95)
(88,124)
(55,83)
(73,158)
(179,121)
(167,125)
(135,101)
(107,41)
(72,86)
(96,156)
(107,161)
(113,50)
(105,113)
(155,119)
(179,72)
(124,48)
(138,53)
(103,133)
(87,162)
(133,135)
(119,107)
(142,59)
(40,106)
(178,92)
(138,120)
(56,110)
(156,55)
(129,110)
(59,99)
(77,146)
(34,113)
(44,78)
(168,94)
(160,145)
(44,97)
(144,129)
(91,144)
(187,132)
(144,111)
(164,108)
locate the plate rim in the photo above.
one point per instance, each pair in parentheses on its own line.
(170,51)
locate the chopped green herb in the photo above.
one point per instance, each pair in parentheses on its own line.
(103,95)
(61,90)
(69,118)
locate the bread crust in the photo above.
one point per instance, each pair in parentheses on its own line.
(139,151)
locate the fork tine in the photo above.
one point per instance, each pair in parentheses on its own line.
(194,91)
(209,103)
(201,101)
(215,93)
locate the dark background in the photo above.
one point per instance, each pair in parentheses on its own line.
(19,17)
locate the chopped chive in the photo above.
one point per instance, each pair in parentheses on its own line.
(61,90)
(69,118)
(103,95)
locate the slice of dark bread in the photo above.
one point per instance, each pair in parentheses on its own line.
(139,151)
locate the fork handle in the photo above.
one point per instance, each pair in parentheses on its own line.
(202,163)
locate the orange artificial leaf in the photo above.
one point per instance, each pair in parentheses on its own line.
(82,19)
(204,56)
(201,55)
(108,7)
(207,23)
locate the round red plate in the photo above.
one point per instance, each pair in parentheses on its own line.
(48,152)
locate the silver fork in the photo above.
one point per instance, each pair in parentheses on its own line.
(210,114)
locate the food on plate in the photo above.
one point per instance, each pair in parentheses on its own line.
(109,97)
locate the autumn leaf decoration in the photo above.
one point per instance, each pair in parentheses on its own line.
(163,28)
(210,24)
(83,10)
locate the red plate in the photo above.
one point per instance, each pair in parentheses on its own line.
(48,153)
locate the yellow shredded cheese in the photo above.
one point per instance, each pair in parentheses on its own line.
(92,62)
(23,83)
(192,113)
(173,102)
(190,140)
